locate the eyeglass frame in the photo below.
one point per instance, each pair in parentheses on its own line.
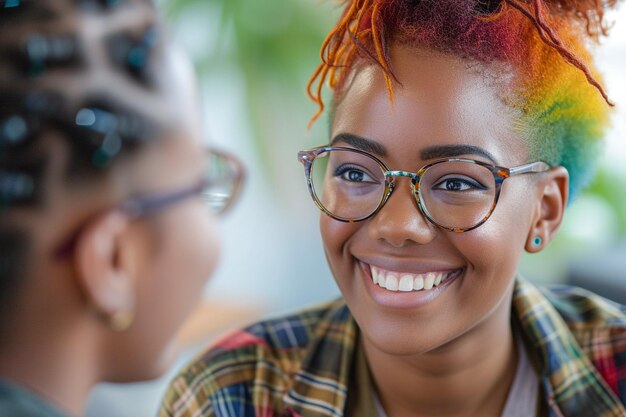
(146,205)
(137,207)
(500,173)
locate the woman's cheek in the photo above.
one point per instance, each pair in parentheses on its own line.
(335,236)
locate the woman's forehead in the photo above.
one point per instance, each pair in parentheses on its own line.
(439,99)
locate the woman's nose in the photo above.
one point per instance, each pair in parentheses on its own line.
(400,221)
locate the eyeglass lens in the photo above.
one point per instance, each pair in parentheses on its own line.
(223,176)
(351,186)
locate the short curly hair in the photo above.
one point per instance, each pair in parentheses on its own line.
(546,42)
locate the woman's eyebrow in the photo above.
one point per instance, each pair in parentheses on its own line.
(360,143)
(431,152)
(449,151)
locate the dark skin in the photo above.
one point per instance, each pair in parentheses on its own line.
(64,343)
(450,353)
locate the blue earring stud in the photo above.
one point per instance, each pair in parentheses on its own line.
(537,241)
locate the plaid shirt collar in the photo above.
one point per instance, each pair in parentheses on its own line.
(572,385)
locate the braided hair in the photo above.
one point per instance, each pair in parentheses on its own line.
(75,74)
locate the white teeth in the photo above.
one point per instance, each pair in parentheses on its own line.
(378,277)
(406,283)
(429,281)
(418,283)
(391,283)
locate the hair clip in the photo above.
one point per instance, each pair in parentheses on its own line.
(106,125)
(139,55)
(97,120)
(132,54)
(104,115)
(110,148)
(13,131)
(10,4)
(15,187)
(42,51)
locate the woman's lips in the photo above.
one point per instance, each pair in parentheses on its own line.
(406,289)
(407,281)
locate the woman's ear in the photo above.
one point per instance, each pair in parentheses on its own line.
(106,278)
(553,194)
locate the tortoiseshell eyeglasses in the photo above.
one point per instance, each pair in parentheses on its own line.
(456,194)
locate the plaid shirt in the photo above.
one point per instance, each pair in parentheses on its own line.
(300,365)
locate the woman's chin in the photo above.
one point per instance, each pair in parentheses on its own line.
(145,370)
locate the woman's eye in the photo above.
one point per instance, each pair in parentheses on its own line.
(458,184)
(352,174)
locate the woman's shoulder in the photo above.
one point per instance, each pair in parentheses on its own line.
(598,326)
(17,401)
(579,342)
(273,338)
(583,310)
(261,358)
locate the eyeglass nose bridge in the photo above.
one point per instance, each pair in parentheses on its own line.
(391,175)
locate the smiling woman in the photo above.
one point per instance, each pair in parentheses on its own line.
(458,132)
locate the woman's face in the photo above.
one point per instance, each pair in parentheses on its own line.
(441,104)
(181,244)
(180,254)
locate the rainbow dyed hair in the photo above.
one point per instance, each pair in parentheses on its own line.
(565,108)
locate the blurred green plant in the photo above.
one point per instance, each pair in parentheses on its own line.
(275,46)
(275,39)
(611,188)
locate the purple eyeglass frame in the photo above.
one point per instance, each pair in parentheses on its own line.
(142,206)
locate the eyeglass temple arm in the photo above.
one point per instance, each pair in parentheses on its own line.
(142,206)
(539,166)
(240,177)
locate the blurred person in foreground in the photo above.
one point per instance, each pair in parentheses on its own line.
(459,130)
(108,200)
